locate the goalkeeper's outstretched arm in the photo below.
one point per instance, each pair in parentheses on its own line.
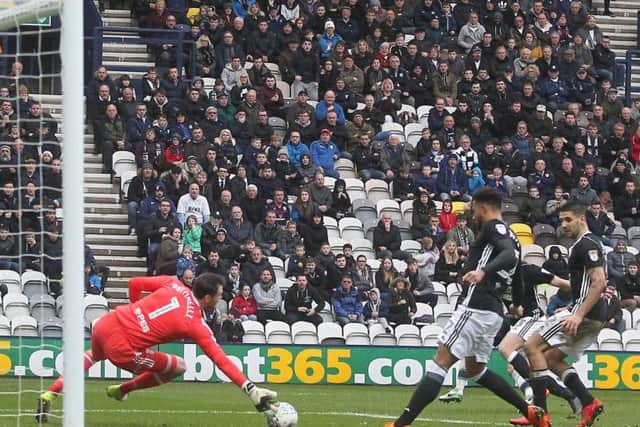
(138,285)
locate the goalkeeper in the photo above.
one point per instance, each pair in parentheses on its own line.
(171,312)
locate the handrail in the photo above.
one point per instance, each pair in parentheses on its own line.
(147,36)
(632,57)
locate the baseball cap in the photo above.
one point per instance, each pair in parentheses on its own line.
(192,158)
(329,24)
(325,130)
(217,214)
(541,108)
(147,165)
(159,187)
(553,68)
(303,92)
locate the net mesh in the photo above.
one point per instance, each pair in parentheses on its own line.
(30,206)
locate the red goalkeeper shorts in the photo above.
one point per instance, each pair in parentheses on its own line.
(109,341)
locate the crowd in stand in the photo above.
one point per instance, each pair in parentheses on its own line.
(522,96)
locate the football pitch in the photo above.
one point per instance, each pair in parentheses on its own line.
(223,405)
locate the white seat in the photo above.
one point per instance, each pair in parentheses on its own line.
(337,245)
(50,328)
(253,332)
(329,182)
(442,313)
(440,290)
(351,228)
(533,254)
(355,188)
(222,307)
(453,292)
(123,161)
(410,246)
(285,88)
(12,280)
(284,284)
(423,114)
(15,305)
(408,335)
(609,340)
(413,133)
(276,263)
(345,168)
(406,108)
(422,309)
(95,306)
(5,326)
(393,127)
(304,333)
(627,319)
(391,206)
(379,336)
(24,326)
(631,340)
(376,189)
(406,209)
(356,334)
(330,222)
(42,307)
(34,283)
(274,69)
(430,334)
(400,265)
(330,333)
(125,181)
(277,332)
(635,315)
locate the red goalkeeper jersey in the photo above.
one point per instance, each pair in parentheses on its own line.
(171,312)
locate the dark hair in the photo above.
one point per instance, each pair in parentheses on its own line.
(207,284)
(575,208)
(489,197)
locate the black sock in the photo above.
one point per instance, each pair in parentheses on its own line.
(559,390)
(571,379)
(520,364)
(538,383)
(425,393)
(503,390)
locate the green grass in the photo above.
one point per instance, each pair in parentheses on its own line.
(223,405)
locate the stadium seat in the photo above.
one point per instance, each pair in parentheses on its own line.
(304,333)
(59,304)
(330,333)
(406,209)
(15,305)
(627,319)
(356,334)
(377,189)
(393,127)
(363,247)
(544,234)
(34,283)
(410,246)
(345,168)
(442,313)
(278,124)
(635,315)
(422,309)
(633,235)
(619,233)
(519,193)
(374,264)
(510,212)
(331,224)
(523,233)
(50,328)
(125,181)
(533,254)
(632,250)
(222,307)
(453,292)
(355,190)
(423,114)
(400,265)
(24,326)
(276,263)
(5,326)
(550,291)
(253,332)
(285,88)
(430,334)
(337,245)
(438,204)
(95,306)
(12,281)
(631,340)
(440,290)
(274,69)
(413,133)
(326,313)
(329,182)
(408,335)
(405,229)
(365,210)
(42,307)
(379,336)
(123,161)
(277,332)
(458,207)
(564,240)
(284,284)
(351,229)
(609,340)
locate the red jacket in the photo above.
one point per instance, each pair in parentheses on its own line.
(634,142)
(447,221)
(241,306)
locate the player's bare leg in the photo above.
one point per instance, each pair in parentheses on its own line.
(164,368)
(591,407)
(45,399)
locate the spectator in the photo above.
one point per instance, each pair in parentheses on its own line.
(244,306)
(346,303)
(253,267)
(141,187)
(341,202)
(192,234)
(363,276)
(556,263)
(402,305)
(324,153)
(461,234)
(449,264)
(627,205)
(314,234)
(447,218)
(452,181)
(298,303)
(533,208)
(212,264)
(376,310)
(419,282)
(268,298)
(268,235)
(385,275)
(303,207)
(193,203)
(423,210)
(321,195)
(618,260)
(387,239)
(329,104)
(614,309)
(295,263)
(290,238)
(629,286)
(470,33)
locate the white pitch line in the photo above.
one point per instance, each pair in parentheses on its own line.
(216,412)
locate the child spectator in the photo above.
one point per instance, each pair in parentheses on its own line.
(174,153)
(192,235)
(295,264)
(404,186)
(447,217)
(290,239)
(244,305)
(376,310)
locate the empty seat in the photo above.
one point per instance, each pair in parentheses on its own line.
(34,283)
(510,213)
(609,340)
(356,334)
(11,280)
(355,189)
(379,336)
(423,114)
(453,292)
(345,168)
(42,307)
(442,313)
(351,229)
(393,127)
(410,246)
(440,290)
(304,333)
(277,332)
(408,335)
(523,233)
(544,234)
(430,334)
(123,161)
(533,254)
(377,189)
(406,209)
(330,333)
(95,306)
(24,326)
(253,332)
(365,210)
(631,340)
(627,319)
(423,310)
(5,326)
(125,180)
(15,305)
(50,328)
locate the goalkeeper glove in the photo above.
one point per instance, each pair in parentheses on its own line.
(262,398)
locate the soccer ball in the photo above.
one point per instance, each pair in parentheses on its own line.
(285,416)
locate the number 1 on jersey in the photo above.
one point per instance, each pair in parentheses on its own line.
(173,305)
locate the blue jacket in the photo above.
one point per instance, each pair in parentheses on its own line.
(295,152)
(137,128)
(557,92)
(327,44)
(239,9)
(150,205)
(322,154)
(381,307)
(448,181)
(346,303)
(321,112)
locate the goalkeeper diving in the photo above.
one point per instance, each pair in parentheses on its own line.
(171,312)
